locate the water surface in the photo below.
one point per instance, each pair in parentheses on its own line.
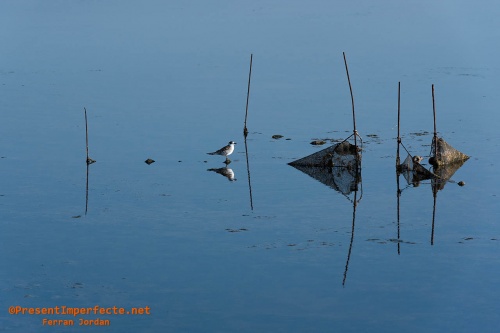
(168,82)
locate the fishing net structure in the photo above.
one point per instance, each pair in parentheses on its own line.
(413,171)
(442,153)
(445,161)
(338,166)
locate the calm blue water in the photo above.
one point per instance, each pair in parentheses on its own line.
(168,81)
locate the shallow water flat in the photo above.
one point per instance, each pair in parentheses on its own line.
(273,249)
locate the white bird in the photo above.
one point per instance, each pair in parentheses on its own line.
(417,159)
(225,151)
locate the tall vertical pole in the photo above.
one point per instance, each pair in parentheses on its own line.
(245,130)
(89,160)
(398,161)
(435,130)
(352,102)
(86,135)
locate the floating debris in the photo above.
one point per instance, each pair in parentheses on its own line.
(149,161)
(277,136)
(77,285)
(236,230)
(423,133)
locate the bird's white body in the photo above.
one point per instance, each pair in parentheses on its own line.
(417,159)
(225,151)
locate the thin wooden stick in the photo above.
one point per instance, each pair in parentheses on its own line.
(435,130)
(398,161)
(245,130)
(352,101)
(89,160)
(86,135)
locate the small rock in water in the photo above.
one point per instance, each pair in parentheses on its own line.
(277,136)
(318,142)
(149,161)
(461,183)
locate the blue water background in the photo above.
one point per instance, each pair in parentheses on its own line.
(168,81)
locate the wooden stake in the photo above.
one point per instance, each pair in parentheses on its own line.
(435,130)
(89,160)
(398,161)
(245,130)
(352,101)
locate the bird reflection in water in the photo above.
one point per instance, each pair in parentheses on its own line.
(226,172)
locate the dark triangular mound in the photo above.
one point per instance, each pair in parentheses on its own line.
(338,167)
(443,153)
(342,154)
